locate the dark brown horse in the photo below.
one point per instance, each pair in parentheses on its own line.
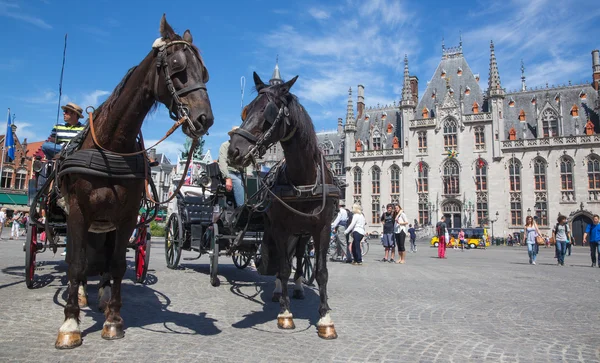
(105,209)
(276,116)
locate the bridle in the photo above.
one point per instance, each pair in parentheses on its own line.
(163,62)
(273,116)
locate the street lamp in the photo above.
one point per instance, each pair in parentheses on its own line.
(470,209)
(492,222)
(528,212)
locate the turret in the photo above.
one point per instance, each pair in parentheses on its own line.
(340,128)
(276,77)
(360,103)
(596,69)
(495,95)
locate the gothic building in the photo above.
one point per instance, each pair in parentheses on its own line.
(479,157)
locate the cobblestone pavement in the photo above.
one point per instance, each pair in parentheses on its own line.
(475,306)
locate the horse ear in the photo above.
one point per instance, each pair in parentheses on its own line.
(187,36)
(166,32)
(287,85)
(258,82)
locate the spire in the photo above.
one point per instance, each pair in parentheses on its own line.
(350,108)
(276,77)
(523,86)
(494,86)
(407,97)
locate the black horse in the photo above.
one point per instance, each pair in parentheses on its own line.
(298,208)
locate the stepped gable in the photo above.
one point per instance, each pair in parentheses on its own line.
(568,96)
(377,122)
(330,137)
(452,66)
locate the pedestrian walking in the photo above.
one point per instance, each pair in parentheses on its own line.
(413,238)
(400,223)
(2,221)
(593,231)
(14,231)
(561,234)
(357,227)
(339,227)
(389,243)
(441,233)
(532,232)
(461,239)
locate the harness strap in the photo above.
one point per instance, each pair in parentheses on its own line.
(190,89)
(245,134)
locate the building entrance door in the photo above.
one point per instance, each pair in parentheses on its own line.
(579,225)
(453,214)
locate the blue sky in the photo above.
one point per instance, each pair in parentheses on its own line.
(331,45)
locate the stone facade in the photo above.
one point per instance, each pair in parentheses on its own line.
(481,158)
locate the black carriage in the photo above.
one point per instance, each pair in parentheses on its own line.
(206,220)
(50,233)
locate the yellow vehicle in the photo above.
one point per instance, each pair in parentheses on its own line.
(474,238)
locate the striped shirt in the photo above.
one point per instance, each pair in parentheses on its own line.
(64,133)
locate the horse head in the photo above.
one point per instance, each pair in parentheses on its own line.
(265,121)
(180,80)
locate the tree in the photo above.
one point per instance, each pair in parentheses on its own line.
(197,153)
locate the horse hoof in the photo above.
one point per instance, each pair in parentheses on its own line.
(285,322)
(68,340)
(327,332)
(276,297)
(298,294)
(82,301)
(111,331)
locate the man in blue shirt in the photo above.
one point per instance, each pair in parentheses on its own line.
(593,230)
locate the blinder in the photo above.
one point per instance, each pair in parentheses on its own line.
(270,113)
(177,62)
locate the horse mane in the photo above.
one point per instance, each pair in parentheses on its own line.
(305,129)
(110,101)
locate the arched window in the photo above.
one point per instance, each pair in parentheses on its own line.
(390,128)
(574,111)
(566,179)
(375,180)
(423,178)
(7,175)
(450,134)
(539,174)
(512,134)
(422,138)
(357,181)
(20,178)
(550,123)
(481,176)
(451,177)
(594,177)
(395,179)
(522,115)
(514,175)
(479,138)
(475,107)
(425,112)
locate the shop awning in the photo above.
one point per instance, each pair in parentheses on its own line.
(7,199)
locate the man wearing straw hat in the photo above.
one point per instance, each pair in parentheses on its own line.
(233,177)
(62,134)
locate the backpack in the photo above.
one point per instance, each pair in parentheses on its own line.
(349,220)
(567,230)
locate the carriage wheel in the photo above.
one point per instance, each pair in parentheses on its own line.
(30,254)
(173,241)
(241,260)
(214,258)
(308,268)
(142,260)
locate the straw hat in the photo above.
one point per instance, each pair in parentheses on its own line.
(73,107)
(232,130)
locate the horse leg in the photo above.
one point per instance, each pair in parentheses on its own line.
(104,292)
(298,276)
(277,291)
(285,319)
(69,334)
(113,326)
(325,327)
(82,300)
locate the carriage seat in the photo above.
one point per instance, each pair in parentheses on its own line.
(196,210)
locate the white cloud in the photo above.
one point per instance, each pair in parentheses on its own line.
(27,130)
(93,98)
(13,10)
(319,14)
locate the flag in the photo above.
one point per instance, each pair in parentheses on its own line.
(480,163)
(9,140)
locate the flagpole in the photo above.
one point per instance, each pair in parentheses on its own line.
(4,149)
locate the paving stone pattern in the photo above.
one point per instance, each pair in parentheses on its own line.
(475,306)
